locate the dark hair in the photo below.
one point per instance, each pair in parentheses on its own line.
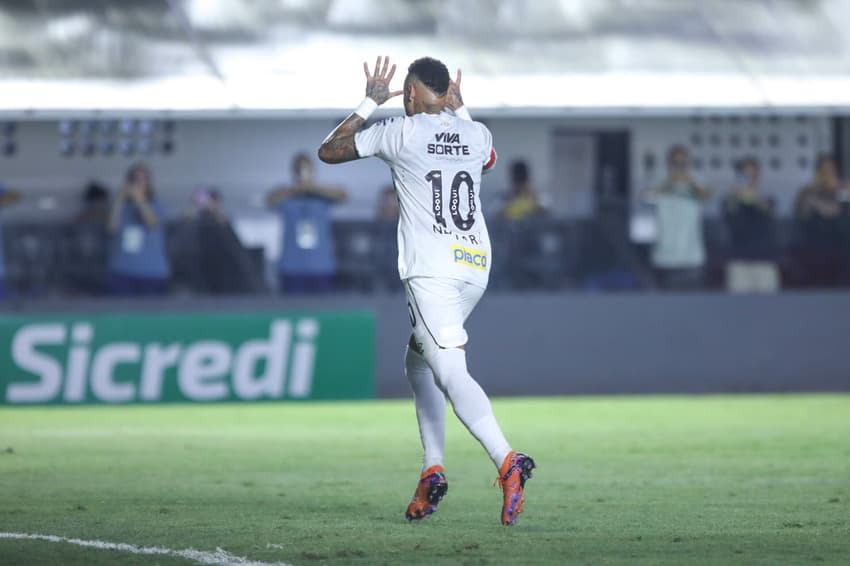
(519,172)
(674,149)
(95,192)
(432,73)
(137,167)
(300,158)
(749,160)
(823,158)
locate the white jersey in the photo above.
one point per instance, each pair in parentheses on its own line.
(436,161)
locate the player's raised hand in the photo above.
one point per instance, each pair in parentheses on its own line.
(453,98)
(378,82)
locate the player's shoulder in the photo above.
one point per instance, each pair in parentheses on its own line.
(394,126)
(471,125)
(482,127)
(477,130)
(390,121)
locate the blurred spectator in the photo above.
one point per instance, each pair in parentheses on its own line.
(307,263)
(821,212)
(218,263)
(86,244)
(8,197)
(206,204)
(386,239)
(95,209)
(749,217)
(388,204)
(522,201)
(679,252)
(138,264)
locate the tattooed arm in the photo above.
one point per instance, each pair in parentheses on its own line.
(339,147)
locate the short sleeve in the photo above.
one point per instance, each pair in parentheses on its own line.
(384,139)
(488,156)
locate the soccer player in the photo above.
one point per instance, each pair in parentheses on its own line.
(437,155)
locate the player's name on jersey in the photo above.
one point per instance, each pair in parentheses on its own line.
(447,143)
(474,239)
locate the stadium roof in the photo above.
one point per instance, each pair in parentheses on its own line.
(226,56)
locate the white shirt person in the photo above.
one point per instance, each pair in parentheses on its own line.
(437,159)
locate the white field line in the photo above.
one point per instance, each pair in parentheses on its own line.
(218,558)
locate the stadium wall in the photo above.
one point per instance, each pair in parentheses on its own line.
(563,344)
(246,157)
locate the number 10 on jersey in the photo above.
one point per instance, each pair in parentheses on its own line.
(435,177)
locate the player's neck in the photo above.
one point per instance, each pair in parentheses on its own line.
(428,108)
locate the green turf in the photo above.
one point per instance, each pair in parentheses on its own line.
(672,480)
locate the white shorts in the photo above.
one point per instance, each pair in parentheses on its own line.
(438,307)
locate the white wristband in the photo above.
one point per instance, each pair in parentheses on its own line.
(366,108)
(463,113)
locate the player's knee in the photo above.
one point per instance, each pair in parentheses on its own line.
(448,364)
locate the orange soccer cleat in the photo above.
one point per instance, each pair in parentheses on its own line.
(515,471)
(431,489)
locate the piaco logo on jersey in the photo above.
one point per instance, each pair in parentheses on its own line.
(475,259)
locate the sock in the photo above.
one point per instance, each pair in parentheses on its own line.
(469,401)
(430,408)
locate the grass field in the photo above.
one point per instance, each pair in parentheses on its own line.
(663,480)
